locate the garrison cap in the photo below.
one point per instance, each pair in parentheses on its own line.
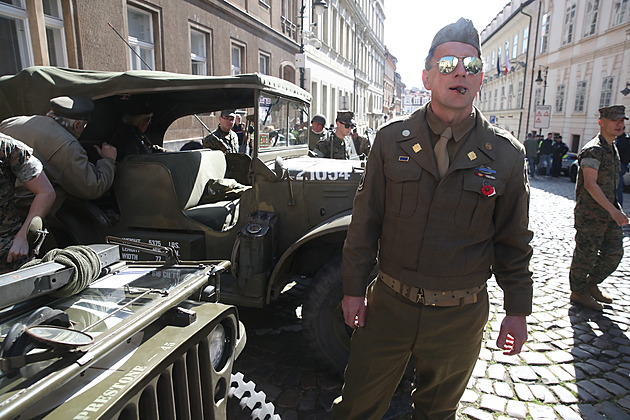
(73,107)
(346,117)
(228,113)
(319,118)
(613,112)
(461,31)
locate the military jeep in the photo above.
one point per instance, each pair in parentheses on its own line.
(276,213)
(86,335)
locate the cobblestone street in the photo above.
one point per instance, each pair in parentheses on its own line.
(576,364)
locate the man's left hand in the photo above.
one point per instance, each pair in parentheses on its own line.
(512,335)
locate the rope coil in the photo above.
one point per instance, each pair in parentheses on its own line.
(84,260)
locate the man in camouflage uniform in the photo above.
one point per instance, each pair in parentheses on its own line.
(18,163)
(223,138)
(598,216)
(337,145)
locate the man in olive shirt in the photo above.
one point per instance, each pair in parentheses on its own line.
(598,216)
(444,205)
(338,144)
(223,138)
(54,139)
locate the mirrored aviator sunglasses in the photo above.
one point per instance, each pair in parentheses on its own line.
(472,65)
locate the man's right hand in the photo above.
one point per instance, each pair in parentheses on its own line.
(107,151)
(619,217)
(354,310)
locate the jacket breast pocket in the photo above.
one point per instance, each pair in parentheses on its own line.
(402,188)
(477,201)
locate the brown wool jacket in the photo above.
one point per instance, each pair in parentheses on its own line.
(442,235)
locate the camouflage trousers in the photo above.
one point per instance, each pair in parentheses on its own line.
(598,252)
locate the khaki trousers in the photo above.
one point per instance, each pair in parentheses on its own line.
(445,342)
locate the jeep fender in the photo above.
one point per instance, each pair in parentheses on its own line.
(281,274)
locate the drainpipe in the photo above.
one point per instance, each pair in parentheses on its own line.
(531,85)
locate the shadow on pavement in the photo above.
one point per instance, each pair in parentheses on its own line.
(601,377)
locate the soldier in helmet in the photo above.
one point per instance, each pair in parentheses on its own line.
(338,144)
(54,139)
(317,131)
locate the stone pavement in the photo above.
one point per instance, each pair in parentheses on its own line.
(576,364)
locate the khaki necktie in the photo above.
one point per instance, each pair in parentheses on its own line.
(441,154)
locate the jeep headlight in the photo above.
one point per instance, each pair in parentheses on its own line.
(218,342)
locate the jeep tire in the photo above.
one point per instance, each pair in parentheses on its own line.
(322,318)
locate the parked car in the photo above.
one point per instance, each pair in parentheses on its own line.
(567,160)
(276,213)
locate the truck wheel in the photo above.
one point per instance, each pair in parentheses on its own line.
(322,319)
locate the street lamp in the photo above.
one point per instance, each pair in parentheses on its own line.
(318,7)
(542,80)
(626,91)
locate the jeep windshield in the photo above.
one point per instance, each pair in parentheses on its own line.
(185,107)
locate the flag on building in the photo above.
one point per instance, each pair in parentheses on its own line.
(499,64)
(507,61)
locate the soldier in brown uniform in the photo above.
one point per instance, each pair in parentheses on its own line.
(441,222)
(598,216)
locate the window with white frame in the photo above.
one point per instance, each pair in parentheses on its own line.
(142,53)
(568,31)
(560,98)
(544,32)
(580,96)
(55,39)
(238,55)
(605,98)
(515,46)
(620,11)
(263,63)
(525,40)
(519,94)
(198,52)
(590,23)
(14,42)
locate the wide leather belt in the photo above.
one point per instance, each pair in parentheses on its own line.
(432,297)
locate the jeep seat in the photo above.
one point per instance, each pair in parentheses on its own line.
(163,190)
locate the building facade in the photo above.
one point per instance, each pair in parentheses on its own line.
(389,91)
(413,99)
(205,37)
(345,60)
(570,56)
(338,56)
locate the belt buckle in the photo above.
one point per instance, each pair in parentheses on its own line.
(420,296)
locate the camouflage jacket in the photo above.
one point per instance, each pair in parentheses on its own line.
(597,154)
